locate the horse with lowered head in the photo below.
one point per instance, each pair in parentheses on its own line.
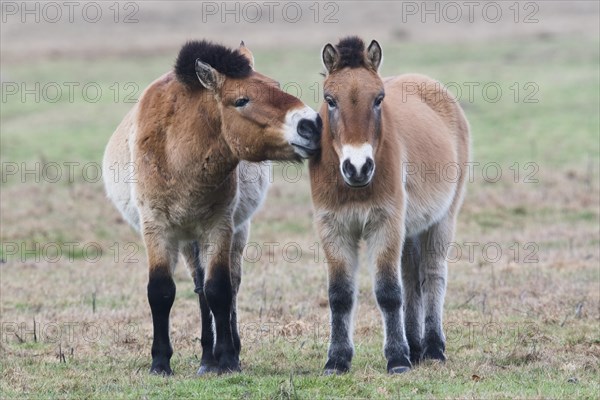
(375,179)
(182,168)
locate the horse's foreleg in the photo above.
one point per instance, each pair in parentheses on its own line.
(384,247)
(341,252)
(162,257)
(413,299)
(194,260)
(434,268)
(218,290)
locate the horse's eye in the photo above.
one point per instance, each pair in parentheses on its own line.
(330,102)
(378,101)
(241,102)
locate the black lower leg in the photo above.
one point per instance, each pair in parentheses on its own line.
(434,272)
(413,337)
(208,362)
(434,342)
(236,280)
(341,302)
(237,343)
(434,287)
(389,297)
(161,294)
(413,299)
(218,292)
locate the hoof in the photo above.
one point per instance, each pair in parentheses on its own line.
(228,365)
(415,354)
(337,366)
(398,370)
(207,369)
(161,370)
(433,353)
(399,365)
(333,371)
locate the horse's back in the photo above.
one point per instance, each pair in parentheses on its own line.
(120,167)
(434,140)
(119,172)
(430,93)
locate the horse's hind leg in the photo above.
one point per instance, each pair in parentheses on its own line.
(434,269)
(413,300)
(218,290)
(193,259)
(237,251)
(162,257)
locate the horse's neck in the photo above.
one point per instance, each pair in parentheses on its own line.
(199,153)
(216,163)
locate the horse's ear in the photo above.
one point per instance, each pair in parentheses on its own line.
(330,57)
(208,76)
(374,55)
(247,53)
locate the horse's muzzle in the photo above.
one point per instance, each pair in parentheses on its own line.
(357,164)
(306,138)
(358,177)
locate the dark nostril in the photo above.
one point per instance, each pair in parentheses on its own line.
(309,129)
(319,123)
(367,167)
(348,169)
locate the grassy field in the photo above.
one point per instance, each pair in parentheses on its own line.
(525,324)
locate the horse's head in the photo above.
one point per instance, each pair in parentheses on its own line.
(259,121)
(353,93)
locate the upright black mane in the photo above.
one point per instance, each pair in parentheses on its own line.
(228,62)
(351,52)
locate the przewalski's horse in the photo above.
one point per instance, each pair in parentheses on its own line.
(382,139)
(185,146)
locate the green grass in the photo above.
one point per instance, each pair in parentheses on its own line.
(293,374)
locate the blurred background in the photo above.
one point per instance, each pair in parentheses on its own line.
(527,247)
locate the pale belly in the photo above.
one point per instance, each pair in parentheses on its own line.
(425,208)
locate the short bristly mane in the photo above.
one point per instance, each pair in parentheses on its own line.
(228,62)
(351,51)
